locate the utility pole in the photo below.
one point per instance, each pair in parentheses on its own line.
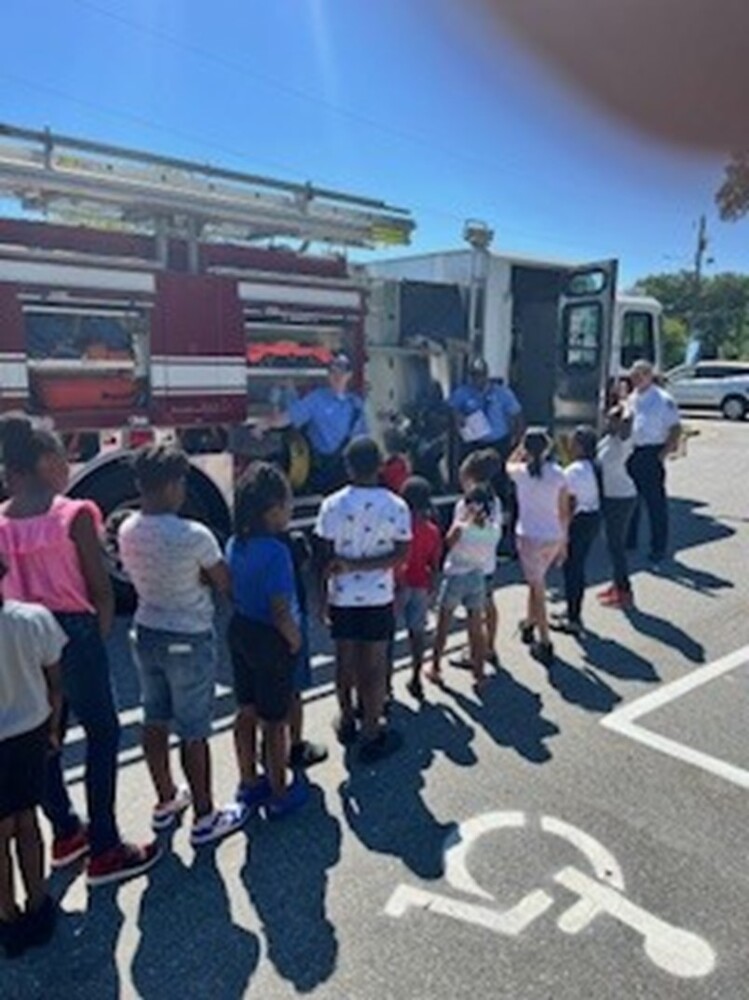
(699,256)
(695,331)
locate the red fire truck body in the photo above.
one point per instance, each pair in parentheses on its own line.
(156,305)
(99,337)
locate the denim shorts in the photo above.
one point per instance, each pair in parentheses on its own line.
(177,678)
(412,607)
(467,589)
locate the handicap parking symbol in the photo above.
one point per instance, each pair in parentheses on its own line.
(601,894)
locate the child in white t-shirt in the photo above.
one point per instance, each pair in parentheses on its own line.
(617,503)
(31,643)
(543,513)
(482,468)
(367,529)
(585,519)
(472,545)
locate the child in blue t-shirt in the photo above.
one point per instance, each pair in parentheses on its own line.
(264,639)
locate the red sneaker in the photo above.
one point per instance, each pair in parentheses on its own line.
(66,850)
(618,599)
(121,863)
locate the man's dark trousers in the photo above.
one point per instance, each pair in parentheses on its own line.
(645,466)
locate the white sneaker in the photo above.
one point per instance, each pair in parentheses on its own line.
(166,814)
(222,823)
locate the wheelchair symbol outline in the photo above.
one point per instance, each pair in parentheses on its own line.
(680,952)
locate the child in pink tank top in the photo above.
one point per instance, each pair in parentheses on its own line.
(50,544)
(45,561)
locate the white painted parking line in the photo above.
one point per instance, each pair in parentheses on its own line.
(131,716)
(624,720)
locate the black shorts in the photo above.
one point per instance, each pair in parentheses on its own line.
(23,765)
(375,623)
(263,668)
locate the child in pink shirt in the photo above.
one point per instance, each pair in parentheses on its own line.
(50,544)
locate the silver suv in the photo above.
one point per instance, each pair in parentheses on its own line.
(712,385)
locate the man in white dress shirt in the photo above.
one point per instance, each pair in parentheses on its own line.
(656,429)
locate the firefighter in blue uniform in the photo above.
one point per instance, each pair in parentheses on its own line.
(330,416)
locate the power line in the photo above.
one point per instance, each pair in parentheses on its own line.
(315,99)
(149,123)
(205,143)
(498,169)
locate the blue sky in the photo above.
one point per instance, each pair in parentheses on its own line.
(418,102)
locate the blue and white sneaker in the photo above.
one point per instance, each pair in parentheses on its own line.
(166,814)
(295,796)
(219,824)
(254,796)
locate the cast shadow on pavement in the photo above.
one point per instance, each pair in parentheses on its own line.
(511,714)
(703,581)
(285,875)
(616,659)
(581,686)
(384,806)
(189,945)
(689,525)
(665,631)
(80,959)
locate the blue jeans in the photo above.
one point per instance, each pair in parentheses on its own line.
(87,690)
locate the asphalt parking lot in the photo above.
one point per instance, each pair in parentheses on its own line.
(577,831)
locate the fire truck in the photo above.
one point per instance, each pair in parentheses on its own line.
(557,331)
(148,298)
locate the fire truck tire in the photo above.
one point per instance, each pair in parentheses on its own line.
(112,487)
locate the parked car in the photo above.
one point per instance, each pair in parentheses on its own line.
(714,385)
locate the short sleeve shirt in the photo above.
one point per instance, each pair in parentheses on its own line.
(654,413)
(583,486)
(262,569)
(30,639)
(475,550)
(329,419)
(613,454)
(538,502)
(363,522)
(497,401)
(486,542)
(164,555)
(424,556)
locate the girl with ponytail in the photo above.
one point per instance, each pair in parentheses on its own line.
(541,530)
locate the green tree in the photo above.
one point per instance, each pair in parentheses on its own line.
(675,333)
(719,310)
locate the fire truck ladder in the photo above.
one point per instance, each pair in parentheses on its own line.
(111,186)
